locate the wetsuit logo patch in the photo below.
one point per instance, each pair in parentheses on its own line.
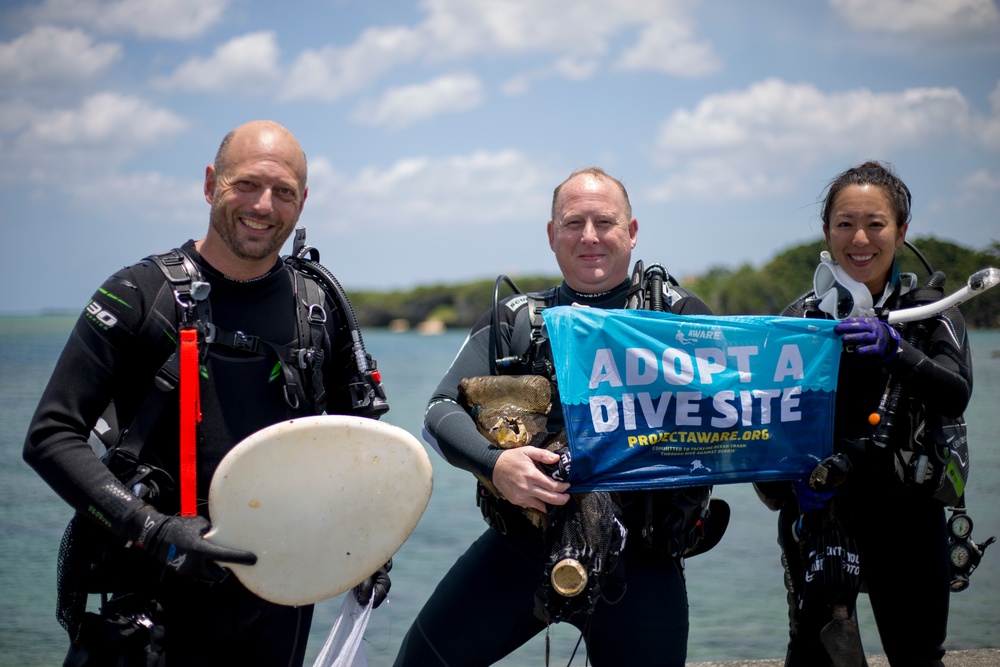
(99,316)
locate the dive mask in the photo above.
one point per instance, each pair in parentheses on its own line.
(840,296)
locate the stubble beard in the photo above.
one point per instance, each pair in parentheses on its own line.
(225,226)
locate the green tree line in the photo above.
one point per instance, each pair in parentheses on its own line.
(741,291)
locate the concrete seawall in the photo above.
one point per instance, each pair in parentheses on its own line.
(989,657)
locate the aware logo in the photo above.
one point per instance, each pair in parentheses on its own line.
(695,335)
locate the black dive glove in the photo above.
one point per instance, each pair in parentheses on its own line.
(178,542)
(377,584)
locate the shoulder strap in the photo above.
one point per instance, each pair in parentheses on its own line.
(367,393)
(537,359)
(189,285)
(537,303)
(312,341)
(304,358)
(190,294)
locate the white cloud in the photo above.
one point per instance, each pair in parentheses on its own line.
(122,120)
(435,219)
(52,55)
(467,27)
(935,18)
(737,143)
(966,211)
(82,144)
(330,73)
(575,69)
(479,188)
(576,31)
(715,178)
(990,130)
(15,115)
(141,198)
(571,27)
(249,63)
(667,46)
(980,186)
(162,19)
(568,67)
(400,107)
(778,118)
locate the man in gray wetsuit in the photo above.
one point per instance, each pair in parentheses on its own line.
(484,608)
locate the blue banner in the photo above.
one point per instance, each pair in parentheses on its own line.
(655,400)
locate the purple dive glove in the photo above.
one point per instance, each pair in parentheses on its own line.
(811,499)
(870,336)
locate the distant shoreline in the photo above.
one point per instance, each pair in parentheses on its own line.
(743,291)
(427,327)
(989,657)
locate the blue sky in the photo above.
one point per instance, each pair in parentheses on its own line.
(436,130)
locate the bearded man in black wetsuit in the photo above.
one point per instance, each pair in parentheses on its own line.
(198,615)
(484,607)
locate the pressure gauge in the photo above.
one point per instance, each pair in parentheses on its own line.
(959,583)
(960,525)
(960,556)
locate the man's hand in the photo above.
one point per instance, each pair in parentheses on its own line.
(521,482)
(179,543)
(872,336)
(377,584)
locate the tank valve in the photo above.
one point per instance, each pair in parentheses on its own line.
(569,578)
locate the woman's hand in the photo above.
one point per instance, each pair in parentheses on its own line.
(870,336)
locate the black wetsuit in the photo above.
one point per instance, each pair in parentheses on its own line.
(483,609)
(900,530)
(117,346)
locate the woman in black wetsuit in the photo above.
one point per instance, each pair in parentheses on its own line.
(895,528)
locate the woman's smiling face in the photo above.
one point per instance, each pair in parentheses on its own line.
(863,234)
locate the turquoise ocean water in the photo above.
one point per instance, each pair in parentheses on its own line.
(736,596)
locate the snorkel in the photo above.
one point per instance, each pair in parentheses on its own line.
(978,282)
(840,296)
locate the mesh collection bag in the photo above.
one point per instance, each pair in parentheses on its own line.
(584,541)
(585,537)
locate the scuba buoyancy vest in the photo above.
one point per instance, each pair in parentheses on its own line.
(934,457)
(651,288)
(930,450)
(674,522)
(92,560)
(301,363)
(934,454)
